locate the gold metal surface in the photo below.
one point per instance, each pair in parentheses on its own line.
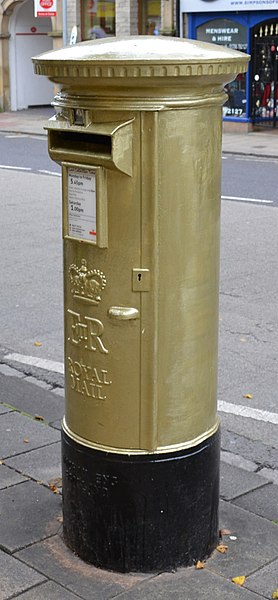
(141,280)
(123,313)
(139,59)
(141,312)
(109,143)
(163,450)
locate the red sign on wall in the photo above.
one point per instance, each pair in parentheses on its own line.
(45,8)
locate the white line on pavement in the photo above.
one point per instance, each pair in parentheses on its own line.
(41,363)
(258,200)
(15,168)
(44,172)
(245,411)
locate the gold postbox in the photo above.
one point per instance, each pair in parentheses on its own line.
(137,131)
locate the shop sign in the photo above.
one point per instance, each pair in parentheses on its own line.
(45,8)
(205,6)
(224,32)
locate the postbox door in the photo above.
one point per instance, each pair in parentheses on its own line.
(102,316)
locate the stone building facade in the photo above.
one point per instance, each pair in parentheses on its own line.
(22,35)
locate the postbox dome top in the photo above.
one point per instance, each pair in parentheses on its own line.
(140,57)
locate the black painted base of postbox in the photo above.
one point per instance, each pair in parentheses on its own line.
(141,512)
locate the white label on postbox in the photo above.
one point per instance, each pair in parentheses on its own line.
(82,204)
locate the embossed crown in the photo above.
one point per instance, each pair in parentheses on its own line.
(86,285)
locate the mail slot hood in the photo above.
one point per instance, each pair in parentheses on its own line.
(106,144)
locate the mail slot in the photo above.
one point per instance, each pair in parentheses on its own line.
(85,143)
(137,132)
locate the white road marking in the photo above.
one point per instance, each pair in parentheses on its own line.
(16,135)
(41,363)
(30,136)
(246,411)
(258,200)
(15,168)
(44,172)
(253,159)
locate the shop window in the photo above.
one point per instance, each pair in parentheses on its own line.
(265,71)
(97,19)
(233,35)
(150,17)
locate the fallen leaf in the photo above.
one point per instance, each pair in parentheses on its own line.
(53,488)
(224,532)
(222,548)
(243,339)
(200,565)
(249,396)
(239,580)
(37,344)
(57,482)
(26,441)
(39,418)
(275,594)
(60,519)
(1,462)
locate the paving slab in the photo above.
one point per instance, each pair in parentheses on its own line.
(42,464)
(270,475)
(266,434)
(39,382)
(30,398)
(10,372)
(56,425)
(263,502)
(254,450)
(29,512)
(235,481)
(264,581)
(188,584)
(15,428)
(48,591)
(53,559)
(59,391)
(15,577)
(256,542)
(4,409)
(9,477)
(238,461)
(53,378)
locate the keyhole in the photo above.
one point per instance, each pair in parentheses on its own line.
(139,276)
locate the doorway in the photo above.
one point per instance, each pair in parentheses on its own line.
(29,37)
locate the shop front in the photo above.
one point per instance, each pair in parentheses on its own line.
(102,18)
(249,26)
(97,19)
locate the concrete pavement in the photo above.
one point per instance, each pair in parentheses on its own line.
(34,562)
